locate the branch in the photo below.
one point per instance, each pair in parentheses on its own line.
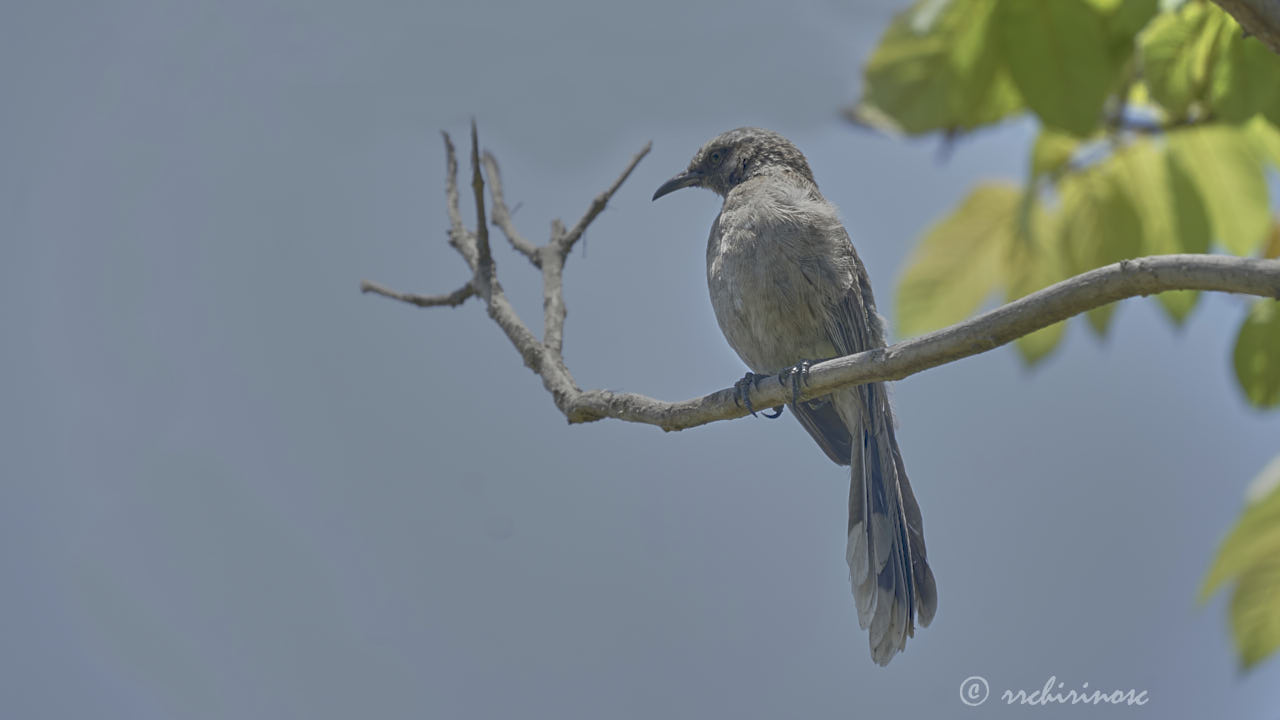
(1259,18)
(459,238)
(541,356)
(485,270)
(1128,278)
(553,310)
(597,204)
(453,299)
(502,216)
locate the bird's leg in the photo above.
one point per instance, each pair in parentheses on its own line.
(797,375)
(742,395)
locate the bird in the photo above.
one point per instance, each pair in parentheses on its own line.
(788,289)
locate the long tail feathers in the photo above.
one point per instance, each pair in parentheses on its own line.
(892,582)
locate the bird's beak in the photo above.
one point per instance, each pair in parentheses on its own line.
(688,178)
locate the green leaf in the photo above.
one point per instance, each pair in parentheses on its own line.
(1172,216)
(1200,56)
(1099,226)
(1123,19)
(1255,536)
(1126,17)
(1178,304)
(1255,613)
(1106,7)
(1266,139)
(936,68)
(1223,165)
(959,263)
(1245,79)
(1032,265)
(1100,318)
(1052,151)
(1250,556)
(1176,51)
(1194,232)
(1272,110)
(1058,52)
(1272,249)
(1257,355)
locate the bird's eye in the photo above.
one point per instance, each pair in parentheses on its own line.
(716,157)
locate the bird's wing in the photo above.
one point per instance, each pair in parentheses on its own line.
(826,427)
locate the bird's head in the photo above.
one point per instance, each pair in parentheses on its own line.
(735,156)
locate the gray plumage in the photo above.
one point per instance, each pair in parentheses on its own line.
(787,286)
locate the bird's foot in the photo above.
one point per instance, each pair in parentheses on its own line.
(798,376)
(742,394)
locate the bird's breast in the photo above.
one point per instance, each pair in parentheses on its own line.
(771,311)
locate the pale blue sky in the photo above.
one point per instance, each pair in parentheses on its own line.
(233,487)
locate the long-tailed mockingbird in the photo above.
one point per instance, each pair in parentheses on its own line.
(788,288)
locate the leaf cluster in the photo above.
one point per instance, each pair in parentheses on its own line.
(1159,123)
(1157,130)
(1249,558)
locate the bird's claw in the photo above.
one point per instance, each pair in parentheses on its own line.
(798,376)
(742,394)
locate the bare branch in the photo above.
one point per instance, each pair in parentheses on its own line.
(526,343)
(484,256)
(541,357)
(502,216)
(459,238)
(453,299)
(1129,278)
(451,186)
(598,203)
(553,310)
(1259,18)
